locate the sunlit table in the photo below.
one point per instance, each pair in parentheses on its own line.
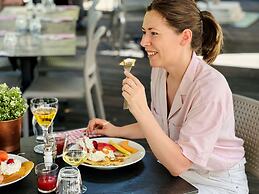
(64,17)
(57,38)
(145,177)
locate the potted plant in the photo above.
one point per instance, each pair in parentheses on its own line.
(12,109)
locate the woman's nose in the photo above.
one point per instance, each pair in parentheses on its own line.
(145,41)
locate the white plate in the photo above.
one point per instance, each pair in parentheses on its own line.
(131,160)
(22,159)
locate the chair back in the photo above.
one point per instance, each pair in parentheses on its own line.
(90,57)
(91,75)
(246,112)
(93,17)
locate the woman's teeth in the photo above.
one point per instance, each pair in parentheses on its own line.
(151,53)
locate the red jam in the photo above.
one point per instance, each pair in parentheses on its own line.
(47,182)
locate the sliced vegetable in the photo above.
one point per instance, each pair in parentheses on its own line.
(125,145)
(119,148)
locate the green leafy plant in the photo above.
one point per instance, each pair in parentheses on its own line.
(12,104)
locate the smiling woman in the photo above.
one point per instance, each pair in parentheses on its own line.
(185,89)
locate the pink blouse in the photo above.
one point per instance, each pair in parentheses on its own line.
(201,119)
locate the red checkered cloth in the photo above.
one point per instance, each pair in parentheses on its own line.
(75,133)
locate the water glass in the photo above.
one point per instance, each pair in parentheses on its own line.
(21,24)
(49,5)
(69,181)
(46,177)
(35,26)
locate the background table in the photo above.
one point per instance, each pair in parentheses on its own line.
(147,176)
(60,23)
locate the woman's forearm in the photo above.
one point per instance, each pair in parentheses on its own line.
(131,131)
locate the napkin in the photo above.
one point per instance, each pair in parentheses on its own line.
(75,134)
(58,20)
(7,17)
(66,7)
(58,36)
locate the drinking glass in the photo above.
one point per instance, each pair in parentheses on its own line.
(74,152)
(38,132)
(35,26)
(69,181)
(21,24)
(44,110)
(46,177)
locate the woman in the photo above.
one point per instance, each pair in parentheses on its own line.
(190,126)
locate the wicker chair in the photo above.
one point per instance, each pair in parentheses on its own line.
(246,112)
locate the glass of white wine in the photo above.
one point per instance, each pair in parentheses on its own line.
(44,110)
(74,152)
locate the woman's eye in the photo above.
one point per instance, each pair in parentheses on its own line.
(144,32)
(154,33)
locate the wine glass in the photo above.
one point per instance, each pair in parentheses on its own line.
(44,110)
(74,152)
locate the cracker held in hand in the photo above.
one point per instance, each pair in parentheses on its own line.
(127,65)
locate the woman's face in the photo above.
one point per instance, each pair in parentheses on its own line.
(160,41)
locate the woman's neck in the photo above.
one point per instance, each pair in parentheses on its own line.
(176,72)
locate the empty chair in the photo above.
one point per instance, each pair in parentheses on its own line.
(246,112)
(73,63)
(69,86)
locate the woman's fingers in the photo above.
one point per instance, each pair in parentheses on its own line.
(132,77)
(127,88)
(95,122)
(129,82)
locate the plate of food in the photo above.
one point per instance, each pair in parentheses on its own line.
(13,168)
(110,153)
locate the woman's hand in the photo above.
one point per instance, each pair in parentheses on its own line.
(102,127)
(134,92)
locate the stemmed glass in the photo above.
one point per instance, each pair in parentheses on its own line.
(74,152)
(44,110)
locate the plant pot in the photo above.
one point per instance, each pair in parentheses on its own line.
(10,134)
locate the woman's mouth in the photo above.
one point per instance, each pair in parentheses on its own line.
(151,53)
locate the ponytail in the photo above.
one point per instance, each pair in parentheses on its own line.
(212,37)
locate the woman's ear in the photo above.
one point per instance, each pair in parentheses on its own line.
(186,37)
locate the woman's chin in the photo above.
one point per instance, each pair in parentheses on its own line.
(153,63)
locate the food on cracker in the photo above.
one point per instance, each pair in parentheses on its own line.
(12,169)
(26,167)
(127,65)
(129,62)
(125,145)
(10,166)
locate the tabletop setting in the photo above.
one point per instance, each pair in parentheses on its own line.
(79,161)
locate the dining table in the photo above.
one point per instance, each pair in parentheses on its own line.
(56,38)
(144,177)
